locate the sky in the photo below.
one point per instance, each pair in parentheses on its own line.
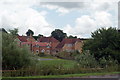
(77,18)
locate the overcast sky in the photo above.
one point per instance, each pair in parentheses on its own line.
(74,18)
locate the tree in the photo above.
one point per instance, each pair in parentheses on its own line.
(3,30)
(40,35)
(14,32)
(72,36)
(58,34)
(29,32)
(14,57)
(104,43)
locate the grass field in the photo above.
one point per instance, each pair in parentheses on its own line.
(64,63)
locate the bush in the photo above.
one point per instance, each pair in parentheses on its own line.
(41,54)
(109,64)
(14,57)
(68,55)
(86,60)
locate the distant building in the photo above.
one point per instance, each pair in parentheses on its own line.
(50,45)
(70,45)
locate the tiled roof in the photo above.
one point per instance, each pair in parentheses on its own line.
(40,43)
(36,43)
(22,38)
(67,41)
(47,39)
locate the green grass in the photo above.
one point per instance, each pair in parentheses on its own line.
(68,75)
(65,63)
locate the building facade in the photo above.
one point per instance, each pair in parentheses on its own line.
(50,45)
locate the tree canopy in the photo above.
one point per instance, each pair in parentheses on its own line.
(14,31)
(72,36)
(14,57)
(29,32)
(104,43)
(58,34)
(3,30)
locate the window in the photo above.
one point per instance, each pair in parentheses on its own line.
(37,51)
(69,45)
(48,46)
(48,51)
(42,50)
(37,45)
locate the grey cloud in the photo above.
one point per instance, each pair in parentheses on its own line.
(67,5)
(104,6)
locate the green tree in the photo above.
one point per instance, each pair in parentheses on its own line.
(40,35)
(14,57)
(58,34)
(72,36)
(3,30)
(104,43)
(14,31)
(29,32)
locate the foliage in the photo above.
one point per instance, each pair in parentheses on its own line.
(59,76)
(58,34)
(3,30)
(40,35)
(14,32)
(14,57)
(29,32)
(68,55)
(109,63)
(72,36)
(86,60)
(104,43)
(41,54)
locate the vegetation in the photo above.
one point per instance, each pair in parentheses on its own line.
(29,32)
(62,76)
(72,36)
(14,31)
(62,62)
(86,60)
(58,34)
(104,43)
(13,56)
(68,55)
(100,54)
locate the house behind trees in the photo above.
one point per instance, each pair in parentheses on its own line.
(50,45)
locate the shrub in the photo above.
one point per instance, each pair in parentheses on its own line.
(41,54)
(86,60)
(109,64)
(68,55)
(14,57)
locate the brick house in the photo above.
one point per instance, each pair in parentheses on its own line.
(52,42)
(42,44)
(69,45)
(40,47)
(50,45)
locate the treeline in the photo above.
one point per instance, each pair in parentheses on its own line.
(57,34)
(103,48)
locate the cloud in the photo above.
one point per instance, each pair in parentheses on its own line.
(20,14)
(67,5)
(64,7)
(23,17)
(86,24)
